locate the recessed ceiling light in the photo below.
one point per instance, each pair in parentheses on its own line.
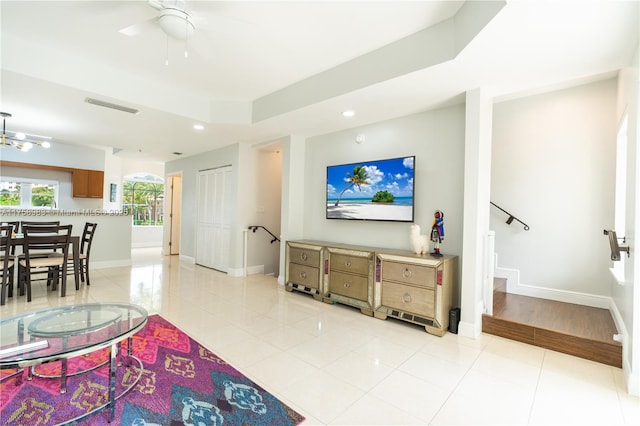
(348,113)
(198,126)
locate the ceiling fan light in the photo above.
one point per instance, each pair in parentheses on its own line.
(26,146)
(176,23)
(20,136)
(45,144)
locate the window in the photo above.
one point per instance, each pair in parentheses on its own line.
(143,198)
(28,193)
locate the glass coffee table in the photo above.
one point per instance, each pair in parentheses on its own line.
(60,334)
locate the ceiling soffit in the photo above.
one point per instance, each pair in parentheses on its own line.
(426,48)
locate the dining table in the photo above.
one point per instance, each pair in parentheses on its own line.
(18,240)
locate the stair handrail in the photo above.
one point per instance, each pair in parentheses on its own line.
(511,217)
(254,228)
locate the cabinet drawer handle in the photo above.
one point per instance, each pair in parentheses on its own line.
(347,263)
(303,256)
(406,298)
(407,273)
(347,285)
(303,275)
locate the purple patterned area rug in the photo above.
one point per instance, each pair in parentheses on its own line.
(182,383)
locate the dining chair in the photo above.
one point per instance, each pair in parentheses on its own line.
(39,240)
(85,249)
(85,252)
(7,260)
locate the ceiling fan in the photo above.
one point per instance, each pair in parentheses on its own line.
(19,140)
(174,20)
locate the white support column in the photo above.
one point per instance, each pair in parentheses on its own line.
(291,225)
(477,189)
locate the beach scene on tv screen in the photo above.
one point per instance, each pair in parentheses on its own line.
(372,190)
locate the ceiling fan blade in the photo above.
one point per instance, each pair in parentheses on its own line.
(139,28)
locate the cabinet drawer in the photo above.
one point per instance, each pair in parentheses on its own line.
(352,264)
(407,298)
(304,275)
(423,276)
(354,286)
(304,256)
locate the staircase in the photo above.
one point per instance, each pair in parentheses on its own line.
(577,330)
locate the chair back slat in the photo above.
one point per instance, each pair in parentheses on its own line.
(41,238)
(15,224)
(5,259)
(39,223)
(16,228)
(5,238)
(87,237)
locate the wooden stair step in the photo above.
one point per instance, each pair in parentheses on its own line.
(577,330)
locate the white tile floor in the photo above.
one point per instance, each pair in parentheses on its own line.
(339,367)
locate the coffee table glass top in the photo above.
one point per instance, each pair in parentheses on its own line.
(41,336)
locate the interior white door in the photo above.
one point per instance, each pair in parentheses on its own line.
(176,196)
(213,236)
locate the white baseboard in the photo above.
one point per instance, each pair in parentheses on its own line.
(187,259)
(467,329)
(633,387)
(108,264)
(235,272)
(258,269)
(514,286)
(472,329)
(146,245)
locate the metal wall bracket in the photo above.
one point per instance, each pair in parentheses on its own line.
(616,249)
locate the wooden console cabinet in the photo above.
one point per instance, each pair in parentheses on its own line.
(417,289)
(380,282)
(304,268)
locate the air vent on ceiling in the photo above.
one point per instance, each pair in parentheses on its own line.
(110,105)
(177,153)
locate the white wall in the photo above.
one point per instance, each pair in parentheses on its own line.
(65,199)
(258,173)
(116,168)
(111,245)
(266,211)
(626,295)
(553,166)
(436,138)
(61,155)
(146,236)
(189,168)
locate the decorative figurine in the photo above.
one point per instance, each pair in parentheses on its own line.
(419,243)
(437,232)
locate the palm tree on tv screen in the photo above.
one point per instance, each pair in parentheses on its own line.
(357,178)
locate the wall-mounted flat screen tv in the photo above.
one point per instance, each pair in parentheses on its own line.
(372,190)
